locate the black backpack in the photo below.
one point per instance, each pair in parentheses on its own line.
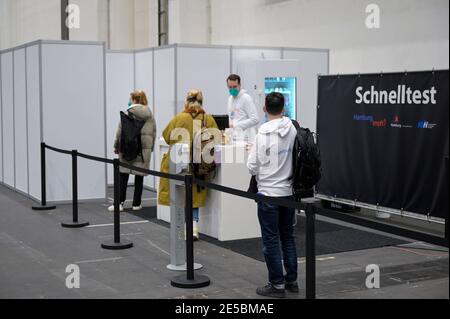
(306,161)
(130,139)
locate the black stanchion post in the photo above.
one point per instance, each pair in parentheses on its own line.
(117,244)
(43,184)
(310,252)
(190,281)
(189,229)
(446,230)
(447,218)
(75,223)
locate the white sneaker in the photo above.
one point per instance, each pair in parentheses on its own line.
(195,232)
(111,208)
(137,208)
(196,235)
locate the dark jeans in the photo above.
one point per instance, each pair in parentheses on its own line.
(277,226)
(138,188)
(195,214)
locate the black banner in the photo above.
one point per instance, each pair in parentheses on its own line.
(384,140)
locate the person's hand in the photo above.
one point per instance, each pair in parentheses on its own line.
(249,147)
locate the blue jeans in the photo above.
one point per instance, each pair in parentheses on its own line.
(277,225)
(195,214)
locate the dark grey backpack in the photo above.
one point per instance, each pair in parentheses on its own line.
(306,161)
(130,139)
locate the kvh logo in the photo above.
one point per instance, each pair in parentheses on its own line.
(425,125)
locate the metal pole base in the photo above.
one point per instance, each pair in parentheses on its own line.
(42,208)
(198,282)
(183,267)
(75,224)
(111,245)
(382,215)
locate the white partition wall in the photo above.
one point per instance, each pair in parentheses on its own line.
(53,92)
(119,85)
(313,62)
(241,55)
(1,123)
(255,72)
(8,118)
(73,116)
(20,122)
(204,68)
(165,89)
(34,121)
(69,94)
(144,81)
(144,74)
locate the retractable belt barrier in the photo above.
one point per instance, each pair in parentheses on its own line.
(191,281)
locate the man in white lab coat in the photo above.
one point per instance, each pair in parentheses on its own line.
(241,110)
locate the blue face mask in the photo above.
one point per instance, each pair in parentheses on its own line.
(234,92)
(130,104)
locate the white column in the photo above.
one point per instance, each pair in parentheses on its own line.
(146,23)
(93,22)
(23,21)
(122,25)
(188,21)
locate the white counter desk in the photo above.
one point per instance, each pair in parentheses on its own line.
(225,217)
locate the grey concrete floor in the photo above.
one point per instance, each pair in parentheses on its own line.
(35,251)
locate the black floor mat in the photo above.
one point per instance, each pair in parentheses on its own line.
(330,238)
(147,213)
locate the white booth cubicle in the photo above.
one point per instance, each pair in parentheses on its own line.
(167,73)
(53,92)
(75,91)
(179,68)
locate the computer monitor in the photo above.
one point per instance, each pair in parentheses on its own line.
(223,121)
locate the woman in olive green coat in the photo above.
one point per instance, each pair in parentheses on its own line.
(185,120)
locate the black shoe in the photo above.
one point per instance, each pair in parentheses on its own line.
(292,287)
(270,291)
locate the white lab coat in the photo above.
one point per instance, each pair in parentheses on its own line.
(243,116)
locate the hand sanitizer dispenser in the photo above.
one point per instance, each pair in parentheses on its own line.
(180,158)
(179,165)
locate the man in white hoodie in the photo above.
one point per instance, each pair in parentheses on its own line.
(270,160)
(241,110)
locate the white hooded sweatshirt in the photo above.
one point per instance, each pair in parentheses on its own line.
(243,115)
(270,158)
